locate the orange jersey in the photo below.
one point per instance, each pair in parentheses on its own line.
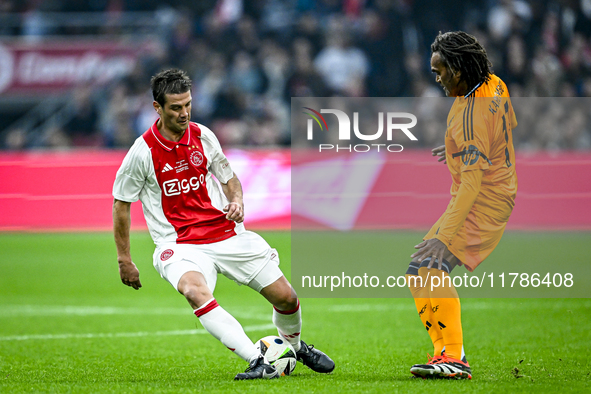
(480,155)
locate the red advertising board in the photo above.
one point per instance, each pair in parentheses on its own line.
(53,66)
(410,190)
(72,190)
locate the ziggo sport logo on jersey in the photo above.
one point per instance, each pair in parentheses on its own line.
(344,123)
(174,187)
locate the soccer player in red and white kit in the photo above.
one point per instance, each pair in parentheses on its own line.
(197,227)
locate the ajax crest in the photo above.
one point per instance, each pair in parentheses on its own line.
(196,158)
(166,254)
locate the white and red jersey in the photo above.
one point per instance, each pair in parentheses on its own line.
(182,202)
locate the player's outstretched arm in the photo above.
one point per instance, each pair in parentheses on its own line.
(439,151)
(129,273)
(233,191)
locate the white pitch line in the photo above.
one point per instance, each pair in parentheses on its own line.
(9,311)
(72,310)
(61,310)
(124,334)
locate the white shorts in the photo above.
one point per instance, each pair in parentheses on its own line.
(245,258)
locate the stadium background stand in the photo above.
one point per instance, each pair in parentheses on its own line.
(248,58)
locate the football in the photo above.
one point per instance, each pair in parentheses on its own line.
(279,353)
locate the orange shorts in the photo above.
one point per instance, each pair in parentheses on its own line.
(477,238)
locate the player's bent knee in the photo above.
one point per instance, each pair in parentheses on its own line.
(286,299)
(281,295)
(193,286)
(197,296)
(285,307)
(289,302)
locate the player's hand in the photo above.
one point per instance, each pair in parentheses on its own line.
(234,211)
(433,248)
(130,275)
(439,151)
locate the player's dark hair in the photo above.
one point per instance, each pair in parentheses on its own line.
(462,52)
(172,81)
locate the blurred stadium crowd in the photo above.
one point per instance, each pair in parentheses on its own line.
(248,58)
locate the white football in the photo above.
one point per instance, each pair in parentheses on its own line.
(279,353)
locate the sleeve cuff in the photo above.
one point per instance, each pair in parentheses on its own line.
(446,241)
(124,199)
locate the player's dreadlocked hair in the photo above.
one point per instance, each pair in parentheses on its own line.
(462,52)
(171,81)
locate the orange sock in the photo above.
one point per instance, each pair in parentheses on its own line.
(445,304)
(423,305)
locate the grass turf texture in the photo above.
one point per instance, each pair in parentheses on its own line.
(67,324)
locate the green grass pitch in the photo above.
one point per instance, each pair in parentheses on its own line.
(68,325)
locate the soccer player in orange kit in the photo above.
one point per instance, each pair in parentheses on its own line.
(481,159)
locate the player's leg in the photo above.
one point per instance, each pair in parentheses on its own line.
(223,326)
(248,259)
(192,274)
(416,278)
(474,242)
(287,317)
(446,307)
(287,314)
(215,319)
(446,318)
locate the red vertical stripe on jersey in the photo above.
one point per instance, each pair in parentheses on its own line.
(181,172)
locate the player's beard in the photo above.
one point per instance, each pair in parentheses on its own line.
(445,89)
(182,126)
(183,123)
